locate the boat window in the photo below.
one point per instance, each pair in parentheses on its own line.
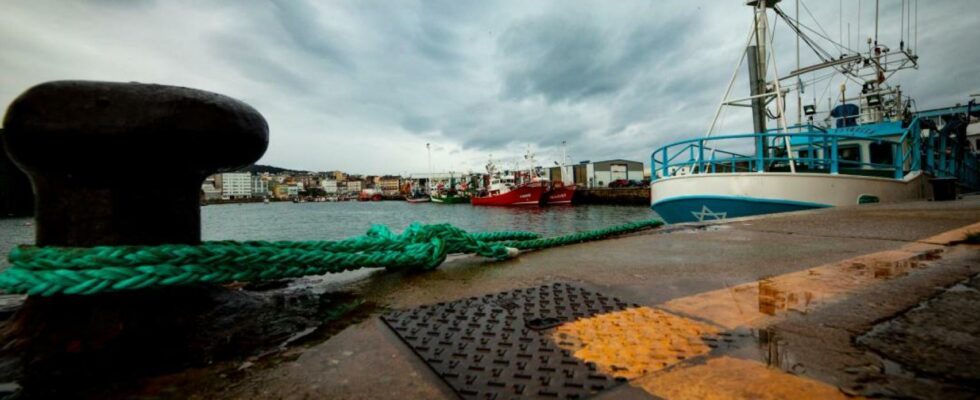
(849,153)
(804,154)
(881,153)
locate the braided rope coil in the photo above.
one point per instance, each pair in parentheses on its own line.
(49,271)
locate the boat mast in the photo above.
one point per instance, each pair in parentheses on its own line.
(428,182)
(529,156)
(756,54)
(799,80)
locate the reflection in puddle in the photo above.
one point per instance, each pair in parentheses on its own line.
(756,304)
(773,299)
(737,353)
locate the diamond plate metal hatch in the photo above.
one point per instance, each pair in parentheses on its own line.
(499,346)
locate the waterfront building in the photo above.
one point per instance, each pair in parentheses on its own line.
(280,191)
(260,186)
(600,174)
(338,176)
(390,185)
(354,187)
(236,185)
(329,186)
(209,190)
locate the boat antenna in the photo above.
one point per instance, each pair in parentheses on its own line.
(563,160)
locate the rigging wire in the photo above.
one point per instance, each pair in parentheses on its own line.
(825,35)
(822,54)
(901,30)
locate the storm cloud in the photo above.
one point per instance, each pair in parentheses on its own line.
(363,86)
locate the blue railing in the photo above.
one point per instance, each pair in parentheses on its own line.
(937,154)
(702,154)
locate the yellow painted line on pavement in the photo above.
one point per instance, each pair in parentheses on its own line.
(636,341)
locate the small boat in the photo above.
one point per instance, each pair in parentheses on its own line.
(417,197)
(265,200)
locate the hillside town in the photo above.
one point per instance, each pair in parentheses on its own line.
(287,185)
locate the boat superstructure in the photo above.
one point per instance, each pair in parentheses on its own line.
(872,146)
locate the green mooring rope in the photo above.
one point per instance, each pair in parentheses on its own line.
(88,270)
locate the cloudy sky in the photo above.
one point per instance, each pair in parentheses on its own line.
(362,86)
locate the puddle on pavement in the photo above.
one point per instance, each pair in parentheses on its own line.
(718,344)
(755,304)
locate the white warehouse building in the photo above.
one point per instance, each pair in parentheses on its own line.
(236,185)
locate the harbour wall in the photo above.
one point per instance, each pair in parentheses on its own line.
(621,196)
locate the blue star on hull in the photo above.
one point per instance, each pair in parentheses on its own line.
(706,213)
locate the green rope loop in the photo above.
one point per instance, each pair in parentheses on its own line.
(48,271)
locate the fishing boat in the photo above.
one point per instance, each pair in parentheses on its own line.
(559,194)
(871,146)
(415,195)
(560,191)
(450,198)
(506,191)
(370,195)
(451,194)
(417,199)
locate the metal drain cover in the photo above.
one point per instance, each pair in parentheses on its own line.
(499,346)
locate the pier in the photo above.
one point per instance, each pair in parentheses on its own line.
(862,301)
(865,300)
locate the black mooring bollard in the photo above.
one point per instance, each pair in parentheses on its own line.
(122,163)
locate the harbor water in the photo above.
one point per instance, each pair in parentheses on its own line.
(333,221)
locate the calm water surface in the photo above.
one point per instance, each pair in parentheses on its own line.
(331,221)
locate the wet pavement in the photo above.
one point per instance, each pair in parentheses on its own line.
(873,300)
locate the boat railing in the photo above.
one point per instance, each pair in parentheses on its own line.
(703,155)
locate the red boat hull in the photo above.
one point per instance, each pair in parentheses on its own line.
(521,196)
(560,195)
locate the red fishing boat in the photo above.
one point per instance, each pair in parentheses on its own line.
(559,194)
(370,195)
(505,191)
(525,195)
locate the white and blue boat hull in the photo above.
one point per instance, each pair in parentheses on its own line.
(719,196)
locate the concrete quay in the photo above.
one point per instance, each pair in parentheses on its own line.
(875,300)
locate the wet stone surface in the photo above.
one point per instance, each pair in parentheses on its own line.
(940,337)
(97,350)
(499,346)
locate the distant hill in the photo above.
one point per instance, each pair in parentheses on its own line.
(258,169)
